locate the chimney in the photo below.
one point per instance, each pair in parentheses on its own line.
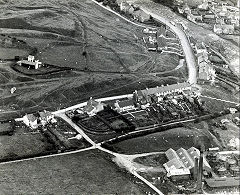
(195,173)
(200,170)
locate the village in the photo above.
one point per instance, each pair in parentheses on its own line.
(146,108)
(185,169)
(202,157)
(222,17)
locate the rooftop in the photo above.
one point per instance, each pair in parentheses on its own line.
(223,182)
(175,163)
(162,89)
(28,62)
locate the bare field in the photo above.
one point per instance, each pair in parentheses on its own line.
(90,172)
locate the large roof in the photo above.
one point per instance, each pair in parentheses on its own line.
(175,163)
(185,158)
(162,89)
(171,154)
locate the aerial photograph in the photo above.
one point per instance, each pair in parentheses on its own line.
(119,97)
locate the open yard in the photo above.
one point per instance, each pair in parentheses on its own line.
(90,172)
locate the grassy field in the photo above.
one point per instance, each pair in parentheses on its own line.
(23,143)
(219,93)
(10,53)
(89,172)
(162,141)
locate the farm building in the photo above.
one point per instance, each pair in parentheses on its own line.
(203,6)
(200,48)
(194,17)
(151,43)
(31,121)
(40,118)
(30,62)
(182,162)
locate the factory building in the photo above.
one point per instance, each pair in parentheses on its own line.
(181,163)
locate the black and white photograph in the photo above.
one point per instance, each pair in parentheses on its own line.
(119,97)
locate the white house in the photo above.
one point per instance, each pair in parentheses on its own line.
(31,58)
(30,62)
(30,120)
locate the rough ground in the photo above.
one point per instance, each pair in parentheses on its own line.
(83,36)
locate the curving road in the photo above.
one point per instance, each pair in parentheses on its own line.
(187,49)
